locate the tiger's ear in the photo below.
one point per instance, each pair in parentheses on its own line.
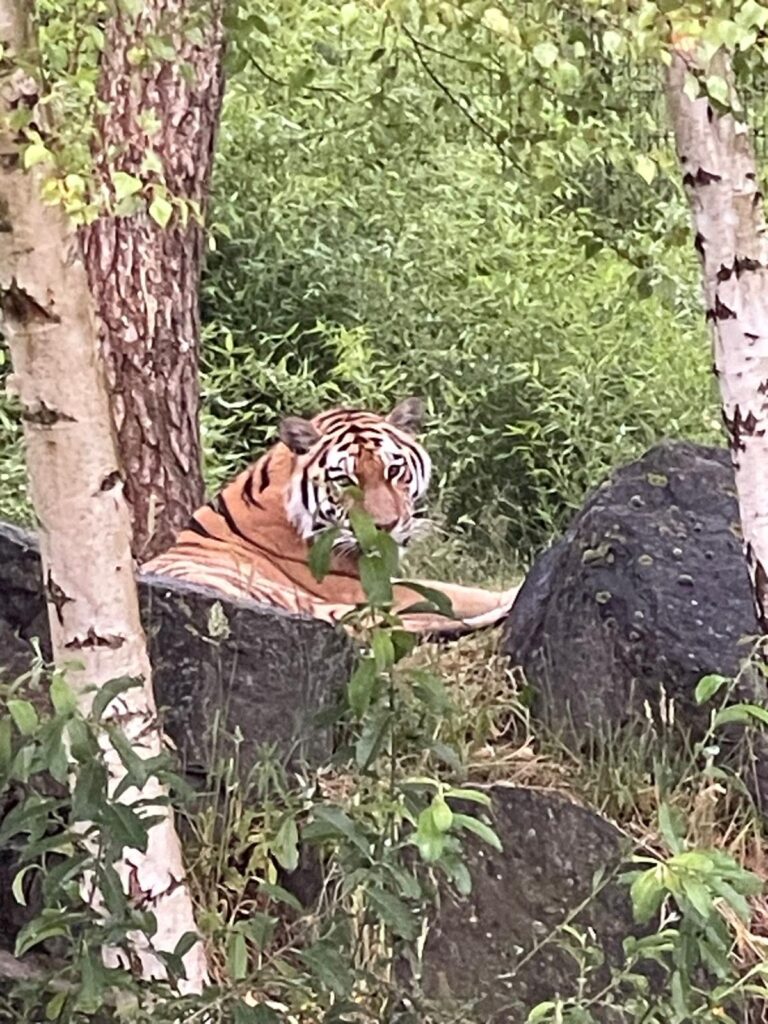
(298,434)
(408,416)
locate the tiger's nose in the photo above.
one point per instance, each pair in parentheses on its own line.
(388,526)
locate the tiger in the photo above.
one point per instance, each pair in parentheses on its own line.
(253,540)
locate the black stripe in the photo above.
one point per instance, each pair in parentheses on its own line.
(264,475)
(247,493)
(230,520)
(194,527)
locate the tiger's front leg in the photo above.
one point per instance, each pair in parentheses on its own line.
(473,607)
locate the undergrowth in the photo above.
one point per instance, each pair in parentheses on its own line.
(315,887)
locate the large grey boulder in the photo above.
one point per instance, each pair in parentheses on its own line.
(499,951)
(220,667)
(646,592)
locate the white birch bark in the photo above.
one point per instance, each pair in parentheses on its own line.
(720,177)
(77,493)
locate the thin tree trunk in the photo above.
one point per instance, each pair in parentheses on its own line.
(77,494)
(720,177)
(145,277)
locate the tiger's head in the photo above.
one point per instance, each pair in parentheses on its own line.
(349,448)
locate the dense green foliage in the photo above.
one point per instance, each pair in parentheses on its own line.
(372,242)
(370,250)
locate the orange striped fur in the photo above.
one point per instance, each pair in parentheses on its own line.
(253,540)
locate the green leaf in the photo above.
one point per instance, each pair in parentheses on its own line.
(237,957)
(337,822)
(540,1012)
(368,746)
(125,185)
(152,163)
(475,795)
(383,649)
(331,966)
(743,713)
(6,745)
(646,168)
(90,790)
(436,599)
(55,1005)
(36,154)
(280,895)
(442,815)
(109,690)
(672,827)
(717,89)
(480,829)
(698,896)
(497,21)
(375,580)
(124,826)
(647,893)
(394,913)
(320,553)
(545,54)
(17,889)
(708,686)
(428,838)
(259,928)
(187,942)
(47,925)
(24,715)
(62,696)
(285,845)
(361,686)
(160,210)
(348,14)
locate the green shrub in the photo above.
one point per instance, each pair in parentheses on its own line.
(364,268)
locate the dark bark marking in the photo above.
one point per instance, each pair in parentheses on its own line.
(720,311)
(55,595)
(746,264)
(44,416)
(92,639)
(110,480)
(724,273)
(701,177)
(19,305)
(9,161)
(761,592)
(5,216)
(762,388)
(698,244)
(751,337)
(740,426)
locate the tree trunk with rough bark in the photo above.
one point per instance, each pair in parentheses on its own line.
(159,127)
(76,489)
(720,177)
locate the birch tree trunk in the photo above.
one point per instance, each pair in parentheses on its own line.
(159,125)
(77,492)
(720,177)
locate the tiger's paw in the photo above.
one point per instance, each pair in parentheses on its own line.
(496,614)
